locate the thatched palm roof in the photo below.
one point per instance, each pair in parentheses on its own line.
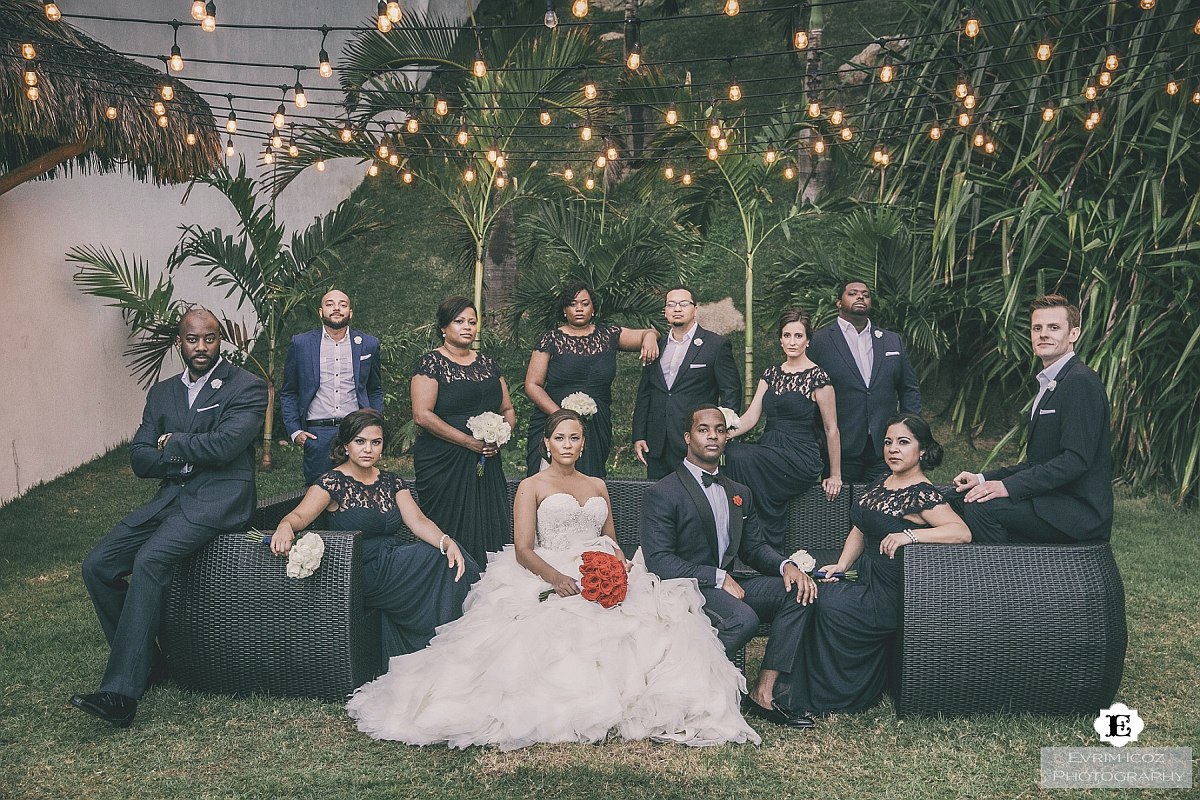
(67,127)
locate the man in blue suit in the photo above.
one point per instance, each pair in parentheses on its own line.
(329,373)
(197,437)
(872,377)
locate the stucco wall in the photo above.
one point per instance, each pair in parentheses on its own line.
(66,395)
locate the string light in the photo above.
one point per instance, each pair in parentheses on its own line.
(110,113)
(579,8)
(989,146)
(231,124)
(412,124)
(1196,98)
(441,107)
(669,171)
(323,65)
(175,61)
(568,173)
(373,170)
(209,23)
(962,87)
(382,150)
(190,139)
(1049,111)
(789,172)
(818,146)
(33,93)
(800,39)
(299,98)
(732,7)
(1111,60)
(544,117)
(52,14)
(880,155)
(714,129)
(500,161)
(479,66)
(1045,49)
(672,114)
(30,75)
(1146,5)
(198,10)
(1172,87)
(279,118)
(167,91)
(382,23)
(550,20)
(1089,89)
(611,152)
(394,12)
(979,138)
(770,155)
(589,182)
(229,149)
(406,176)
(493,152)
(735,91)
(972,27)
(346,133)
(585,131)
(633,59)
(969,102)
(163,121)
(394,159)
(713,153)
(1196,27)
(1105,78)
(462,136)
(293,148)
(837,116)
(1093,118)
(276,140)
(888,71)
(935,131)
(964,120)
(601,161)
(686,178)
(320,163)
(469,175)
(28,52)
(846,134)
(589,87)
(722,144)
(159,108)
(814,109)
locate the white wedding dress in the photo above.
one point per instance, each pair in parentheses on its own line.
(513,671)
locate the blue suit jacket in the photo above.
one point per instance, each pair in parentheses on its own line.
(302,375)
(862,410)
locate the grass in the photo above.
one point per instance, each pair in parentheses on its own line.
(196,745)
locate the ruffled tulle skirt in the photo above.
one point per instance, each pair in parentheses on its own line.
(513,671)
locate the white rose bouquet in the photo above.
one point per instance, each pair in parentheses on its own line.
(732,420)
(581,403)
(490,428)
(305,556)
(804,560)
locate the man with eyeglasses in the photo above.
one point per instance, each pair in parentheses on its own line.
(694,366)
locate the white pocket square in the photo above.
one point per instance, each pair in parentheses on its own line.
(364,357)
(892,353)
(1047,410)
(208,408)
(698,366)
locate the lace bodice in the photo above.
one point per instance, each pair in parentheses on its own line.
(435,365)
(349,493)
(563,523)
(602,339)
(805,382)
(900,502)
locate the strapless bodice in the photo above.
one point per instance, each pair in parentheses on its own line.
(563,523)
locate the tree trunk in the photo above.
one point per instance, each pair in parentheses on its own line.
(811,171)
(264,464)
(500,265)
(749,384)
(40,165)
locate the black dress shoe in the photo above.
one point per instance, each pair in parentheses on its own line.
(778,715)
(115,709)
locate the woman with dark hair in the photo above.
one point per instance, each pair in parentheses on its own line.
(787,459)
(845,653)
(532,661)
(418,586)
(450,385)
(579,356)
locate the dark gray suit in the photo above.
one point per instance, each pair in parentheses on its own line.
(216,436)
(707,374)
(679,540)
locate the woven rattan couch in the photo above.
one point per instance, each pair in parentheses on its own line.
(986,628)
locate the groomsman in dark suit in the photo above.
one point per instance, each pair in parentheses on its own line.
(197,437)
(329,372)
(695,521)
(1062,492)
(694,366)
(871,376)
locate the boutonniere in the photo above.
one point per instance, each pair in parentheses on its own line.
(358,340)
(1051,386)
(215,383)
(737,500)
(878,333)
(698,342)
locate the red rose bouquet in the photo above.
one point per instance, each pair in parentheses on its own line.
(602,579)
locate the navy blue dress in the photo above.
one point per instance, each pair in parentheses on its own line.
(786,460)
(585,364)
(409,583)
(470,507)
(843,661)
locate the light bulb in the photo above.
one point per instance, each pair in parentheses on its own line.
(770,156)
(819,146)
(319,164)
(54,15)
(735,92)
(382,150)
(412,125)
(969,102)
(325,68)
(393,11)
(1048,112)
(31,76)
(989,147)
(1105,78)
(634,59)
(714,130)
(800,39)
(500,161)
(544,117)
(293,149)
(579,8)
(493,154)
(441,107)
(345,134)
(406,176)
(568,173)
(300,99)
(686,180)
(814,109)
(961,87)
(276,140)
(964,119)
(1089,89)
(394,159)
(789,172)
(175,62)
(1090,123)
(479,66)
(279,118)
(551,19)
(935,131)
(373,170)
(971,27)
(33,93)
(462,136)
(713,153)
(159,108)
(1196,27)
(589,183)
(672,115)
(229,149)
(209,23)
(469,175)
(167,91)
(28,52)
(163,121)
(1196,98)
(1172,87)
(611,152)
(732,7)
(1045,49)
(669,172)
(589,89)
(601,161)
(1146,5)
(110,113)
(382,23)
(198,10)
(846,134)
(190,138)
(978,139)
(837,116)
(231,123)
(722,144)
(887,71)
(585,133)
(1112,61)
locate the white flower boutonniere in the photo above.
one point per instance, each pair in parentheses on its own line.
(358,340)
(878,333)
(698,342)
(1051,386)
(215,383)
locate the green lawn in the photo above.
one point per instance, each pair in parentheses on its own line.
(194,745)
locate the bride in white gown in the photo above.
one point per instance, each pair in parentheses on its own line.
(514,671)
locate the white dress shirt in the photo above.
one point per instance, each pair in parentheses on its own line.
(336,395)
(719,502)
(860,347)
(674,352)
(1044,378)
(193,391)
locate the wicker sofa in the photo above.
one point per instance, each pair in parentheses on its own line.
(985,628)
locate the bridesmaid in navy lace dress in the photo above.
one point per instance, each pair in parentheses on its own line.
(845,652)
(579,356)
(449,386)
(787,459)
(417,586)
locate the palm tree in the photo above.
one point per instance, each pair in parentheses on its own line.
(257,267)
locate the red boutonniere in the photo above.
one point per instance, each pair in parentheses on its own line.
(737,500)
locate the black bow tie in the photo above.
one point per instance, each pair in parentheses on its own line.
(708,480)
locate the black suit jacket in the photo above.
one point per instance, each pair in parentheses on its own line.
(707,374)
(216,436)
(679,533)
(862,409)
(1067,471)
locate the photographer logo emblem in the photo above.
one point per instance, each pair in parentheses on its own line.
(1119,725)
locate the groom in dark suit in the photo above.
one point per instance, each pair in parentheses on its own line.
(872,379)
(694,522)
(197,437)
(1062,492)
(694,366)
(328,373)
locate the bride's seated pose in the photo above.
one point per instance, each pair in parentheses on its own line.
(516,670)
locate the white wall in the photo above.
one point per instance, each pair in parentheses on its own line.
(66,395)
